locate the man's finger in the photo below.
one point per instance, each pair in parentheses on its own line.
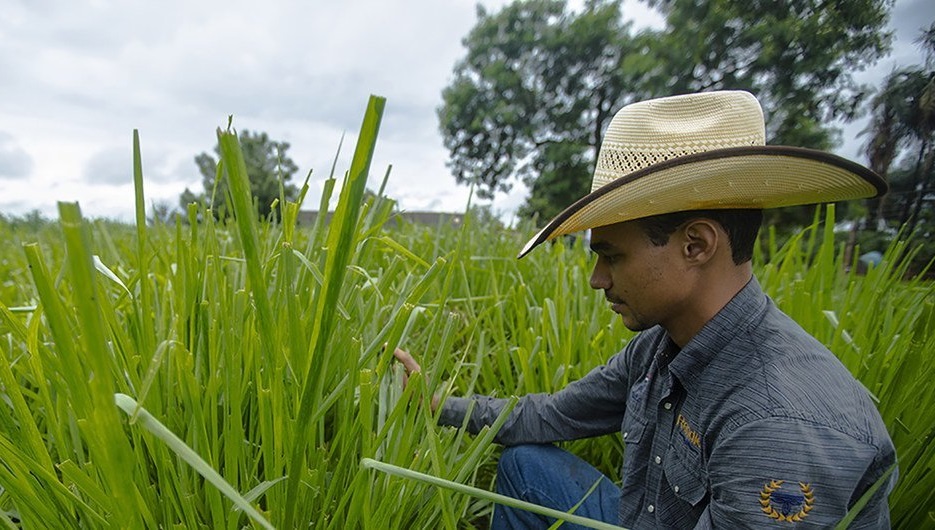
(408,361)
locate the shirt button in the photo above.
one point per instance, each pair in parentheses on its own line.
(658,460)
(676,489)
(667,405)
(650,508)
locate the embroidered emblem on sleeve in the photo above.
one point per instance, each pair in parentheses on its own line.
(786,505)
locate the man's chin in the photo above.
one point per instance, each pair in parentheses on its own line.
(633,324)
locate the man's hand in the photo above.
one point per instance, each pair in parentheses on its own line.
(412,366)
(409,362)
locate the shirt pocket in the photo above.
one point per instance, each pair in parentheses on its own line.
(685,474)
(632,428)
(634,461)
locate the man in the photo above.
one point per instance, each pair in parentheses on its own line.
(731,414)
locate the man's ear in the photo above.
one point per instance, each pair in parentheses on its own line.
(701,238)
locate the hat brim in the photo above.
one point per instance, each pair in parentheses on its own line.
(756,177)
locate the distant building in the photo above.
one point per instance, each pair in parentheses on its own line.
(308,217)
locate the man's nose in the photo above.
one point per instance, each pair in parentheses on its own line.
(600,276)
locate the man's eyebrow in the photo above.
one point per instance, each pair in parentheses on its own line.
(601,246)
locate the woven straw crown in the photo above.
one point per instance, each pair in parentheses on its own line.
(649,132)
(702,151)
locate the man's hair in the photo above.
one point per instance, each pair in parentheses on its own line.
(741,227)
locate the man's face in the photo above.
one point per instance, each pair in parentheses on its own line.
(639,279)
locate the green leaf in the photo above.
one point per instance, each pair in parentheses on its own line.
(186,453)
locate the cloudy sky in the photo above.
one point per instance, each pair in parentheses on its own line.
(77,76)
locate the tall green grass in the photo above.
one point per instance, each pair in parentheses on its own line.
(882,326)
(260,347)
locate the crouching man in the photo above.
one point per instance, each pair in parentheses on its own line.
(731,414)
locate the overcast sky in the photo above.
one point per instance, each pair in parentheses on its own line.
(77,76)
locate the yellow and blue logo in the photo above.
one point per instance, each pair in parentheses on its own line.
(786,505)
(689,436)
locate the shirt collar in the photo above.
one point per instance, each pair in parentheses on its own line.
(746,306)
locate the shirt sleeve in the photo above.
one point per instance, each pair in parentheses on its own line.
(770,472)
(590,406)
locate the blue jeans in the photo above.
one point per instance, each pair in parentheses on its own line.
(552,477)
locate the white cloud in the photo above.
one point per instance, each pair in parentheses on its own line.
(15,162)
(79,76)
(112,166)
(85,74)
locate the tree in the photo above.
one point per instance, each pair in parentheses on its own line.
(161,212)
(797,56)
(269,169)
(538,86)
(902,135)
(533,95)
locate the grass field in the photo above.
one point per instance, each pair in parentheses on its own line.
(255,355)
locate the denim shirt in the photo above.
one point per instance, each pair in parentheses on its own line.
(753,423)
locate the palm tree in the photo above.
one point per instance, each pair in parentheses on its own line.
(902,121)
(888,131)
(923,124)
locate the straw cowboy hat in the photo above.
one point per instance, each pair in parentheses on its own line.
(700,152)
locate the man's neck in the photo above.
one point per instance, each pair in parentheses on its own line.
(711,295)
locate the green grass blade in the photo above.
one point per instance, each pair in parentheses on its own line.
(108,446)
(578,504)
(142,243)
(388,241)
(186,453)
(864,499)
(236,169)
(390,469)
(340,241)
(109,274)
(29,435)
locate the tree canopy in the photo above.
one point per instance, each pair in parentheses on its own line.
(269,167)
(901,140)
(539,83)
